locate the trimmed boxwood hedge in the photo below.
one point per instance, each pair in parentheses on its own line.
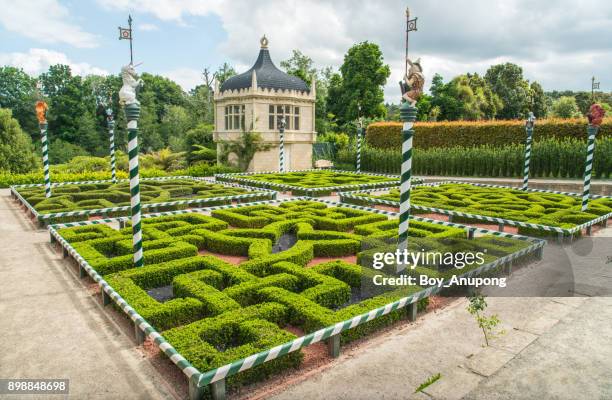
(550,209)
(311,183)
(220,312)
(387,135)
(79,197)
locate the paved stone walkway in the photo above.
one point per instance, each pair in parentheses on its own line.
(553,347)
(51,327)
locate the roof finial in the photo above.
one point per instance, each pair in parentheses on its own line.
(264,42)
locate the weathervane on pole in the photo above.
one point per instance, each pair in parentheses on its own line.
(127,98)
(411,88)
(411,25)
(594,85)
(126,34)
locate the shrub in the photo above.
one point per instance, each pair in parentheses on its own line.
(16,153)
(61,151)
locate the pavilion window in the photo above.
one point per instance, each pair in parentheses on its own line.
(291,114)
(234,117)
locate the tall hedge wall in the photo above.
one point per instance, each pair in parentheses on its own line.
(475,133)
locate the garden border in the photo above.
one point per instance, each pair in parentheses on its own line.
(561,232)
(310,192)
(216,378)
(256,194)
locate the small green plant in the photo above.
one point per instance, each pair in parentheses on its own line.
(245,147)
(428,382)
(477,307)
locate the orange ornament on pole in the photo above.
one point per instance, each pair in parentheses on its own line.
(41,110)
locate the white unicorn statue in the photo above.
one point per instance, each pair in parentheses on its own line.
(131,81)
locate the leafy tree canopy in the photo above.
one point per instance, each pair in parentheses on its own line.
(362,77)
(16,154)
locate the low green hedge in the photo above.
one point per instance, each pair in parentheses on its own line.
(222,311)
(541,208)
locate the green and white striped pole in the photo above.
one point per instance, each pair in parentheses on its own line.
(132,112)
(408,116)
(111,134)
(529,129)
(281,145)
(359,134)
(45,156)
(588,167)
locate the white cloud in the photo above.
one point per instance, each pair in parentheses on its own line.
(188,78)
(560,49)
(36,61)
(44,20)
(147,27)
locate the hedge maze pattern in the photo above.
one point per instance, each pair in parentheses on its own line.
(103,195)
(219,311)
(549,209)
(311,182)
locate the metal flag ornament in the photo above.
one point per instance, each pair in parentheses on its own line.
(126,34)
(127,97)
(281,144)
(596,114)
(529,124)
(411,25)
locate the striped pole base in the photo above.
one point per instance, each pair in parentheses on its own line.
(408,116)
(45,154)
(588,166)
(132,112)
(359,134)
(281,147)
(527,157)
(111,133)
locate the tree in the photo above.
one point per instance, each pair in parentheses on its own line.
(175,123)
(67,102)
(61,152)
(195,139)
(488,103)
(90,136)
(423,106)
(164,93)
(16,153)
(149,136)
(538,100)
(506,80)
(300,65)
(445,99)
(565,107)
(17,92)
(200,105)
(363,75)
(225,72)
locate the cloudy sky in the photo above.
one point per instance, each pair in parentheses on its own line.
(559,43)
